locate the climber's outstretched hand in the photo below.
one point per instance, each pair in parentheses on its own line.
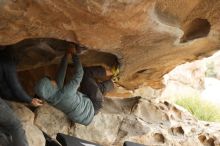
(36,102)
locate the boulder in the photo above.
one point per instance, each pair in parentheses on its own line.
(103,129)
(34,135)
(51,120)
(149,38)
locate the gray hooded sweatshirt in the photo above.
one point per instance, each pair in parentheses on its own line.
(77,106)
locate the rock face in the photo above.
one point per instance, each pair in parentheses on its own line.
(186,80)
(147,122)
(148,37)
(51,121)
(140,120)
(34,134)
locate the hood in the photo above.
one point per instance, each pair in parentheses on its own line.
(45,89)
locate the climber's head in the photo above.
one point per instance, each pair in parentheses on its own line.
(45,88)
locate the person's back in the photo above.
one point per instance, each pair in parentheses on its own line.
(80,107)
(77,106)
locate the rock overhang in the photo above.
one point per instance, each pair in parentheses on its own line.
(144,35)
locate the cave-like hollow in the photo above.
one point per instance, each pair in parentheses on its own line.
(38,57)
(198,28)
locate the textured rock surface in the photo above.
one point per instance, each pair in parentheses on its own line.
(103,129)
(144,35)
(51,121)
(140,120)
(178,128)
(186,80)
(148,38)
(34,135)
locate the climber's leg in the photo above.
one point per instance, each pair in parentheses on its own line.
(11,125)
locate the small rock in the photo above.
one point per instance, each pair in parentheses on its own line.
(103,129)
(34,136)
(51,120)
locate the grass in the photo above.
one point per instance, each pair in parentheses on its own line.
(201,109)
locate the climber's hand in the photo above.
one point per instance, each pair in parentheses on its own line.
(36,102)
(70,51)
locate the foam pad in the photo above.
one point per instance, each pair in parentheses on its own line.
(128,143)
(67,140)
(50,141)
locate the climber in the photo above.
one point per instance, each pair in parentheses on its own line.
(11,89)
(79,105)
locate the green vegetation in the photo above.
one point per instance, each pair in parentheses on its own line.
(201,109)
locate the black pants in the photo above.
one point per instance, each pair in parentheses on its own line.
(95,90)
(11,131)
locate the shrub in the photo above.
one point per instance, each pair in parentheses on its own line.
(201,109)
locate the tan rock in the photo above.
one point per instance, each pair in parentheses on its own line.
(139,120)
(149,112)
(51,120)
(149,37)
(147,92)
(133,129)
(145,125)
(24,113)
(103,129)
(34,135)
